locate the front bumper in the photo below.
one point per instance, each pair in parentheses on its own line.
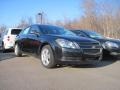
(77,56)
(113,51)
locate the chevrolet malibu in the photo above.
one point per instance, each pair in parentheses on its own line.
(56,46)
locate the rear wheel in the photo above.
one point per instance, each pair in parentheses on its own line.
(3,47)
(17,50)
(47,57)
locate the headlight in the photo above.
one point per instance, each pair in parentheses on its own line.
(111,44)
(67,44)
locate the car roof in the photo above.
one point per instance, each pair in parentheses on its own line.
(14,28)
(42,25)
(83,30)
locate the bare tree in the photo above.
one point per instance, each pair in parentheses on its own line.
(30,21)
(101,17)
(2,28)
(23,23)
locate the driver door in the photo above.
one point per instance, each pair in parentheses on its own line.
(34,39)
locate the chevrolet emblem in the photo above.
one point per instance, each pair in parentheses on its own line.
(93,47)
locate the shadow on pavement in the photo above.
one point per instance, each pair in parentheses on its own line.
(8,54)
(5,56)
(104,62)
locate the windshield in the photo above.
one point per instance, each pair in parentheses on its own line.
(94,34)
(56,30)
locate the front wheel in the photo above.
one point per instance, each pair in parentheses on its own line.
(17,50)
(47,57)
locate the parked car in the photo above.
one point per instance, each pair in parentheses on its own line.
(8,38)
(55,46)
(0,41)
(110,46)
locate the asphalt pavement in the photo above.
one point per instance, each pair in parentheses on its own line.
(27,73)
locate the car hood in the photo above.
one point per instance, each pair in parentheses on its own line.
(103,40)
(73,38)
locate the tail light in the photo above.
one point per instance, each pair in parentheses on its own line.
(8,38)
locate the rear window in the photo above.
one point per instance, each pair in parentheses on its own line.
(15,31)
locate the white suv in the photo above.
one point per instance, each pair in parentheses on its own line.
(8,38)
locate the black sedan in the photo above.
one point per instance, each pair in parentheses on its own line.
(55,45)
(110,46)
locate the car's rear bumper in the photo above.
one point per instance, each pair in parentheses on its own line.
(8,45)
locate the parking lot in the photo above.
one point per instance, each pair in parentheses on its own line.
(26,73)
(0,43)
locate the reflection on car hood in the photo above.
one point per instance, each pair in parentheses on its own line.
(102,40)
(73,38)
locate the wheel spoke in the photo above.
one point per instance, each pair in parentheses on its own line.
(45,56)
(16,49)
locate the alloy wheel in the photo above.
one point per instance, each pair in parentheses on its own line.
(45,56)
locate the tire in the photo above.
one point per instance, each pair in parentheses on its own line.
(47,57)
(3,48)
(17,50)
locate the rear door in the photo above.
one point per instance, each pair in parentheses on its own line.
(23,40)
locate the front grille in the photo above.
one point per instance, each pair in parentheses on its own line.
(90,48)
(88,43)
(91,51)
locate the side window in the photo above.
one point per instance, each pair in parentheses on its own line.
(25,31)
(15,31)
(34,29)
